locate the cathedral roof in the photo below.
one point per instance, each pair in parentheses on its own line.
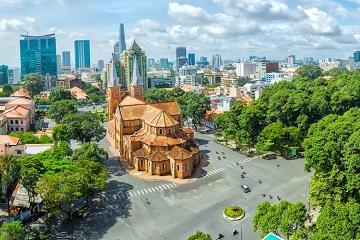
(142,152)
(160,118)
(131,112)
(160,141)
(179,153)
(158,156)
(128,100)
(170,107)
(134,46)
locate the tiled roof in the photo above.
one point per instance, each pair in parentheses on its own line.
(157,156)
(170,107)
(20,93)
(79,93)
(179,153)
(13,141)
(142,152)
(187,130)
(20,101)
(127,101)
(134,46)
(68,77)
(16,111)
(161,119)
(161,141)
(133,112)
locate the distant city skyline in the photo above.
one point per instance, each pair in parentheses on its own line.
(232,28)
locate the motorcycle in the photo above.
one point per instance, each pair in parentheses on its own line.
(235,232)
(220,236)
(242,175)
(278,198)
(219,157)
(260,181)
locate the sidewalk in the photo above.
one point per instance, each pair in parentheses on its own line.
(146,176)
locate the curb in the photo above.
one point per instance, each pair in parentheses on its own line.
(233,219)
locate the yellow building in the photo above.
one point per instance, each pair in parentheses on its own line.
(150,135)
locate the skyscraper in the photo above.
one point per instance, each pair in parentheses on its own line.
(66,59)
(82,53)
(164,63)
(100,65)
(38,55)
(216,60)
(58,62)
(191,59)
(357,56)
(127,63)
(291,60)
(120,45)
(180,55)
(3,74)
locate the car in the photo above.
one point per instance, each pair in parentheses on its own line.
(245,188)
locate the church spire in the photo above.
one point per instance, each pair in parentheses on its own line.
(136,78)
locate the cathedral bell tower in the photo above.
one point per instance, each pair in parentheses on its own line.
(136,86)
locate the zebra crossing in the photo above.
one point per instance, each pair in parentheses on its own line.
(219,170)
(238,163)
(118,194)
(212,172)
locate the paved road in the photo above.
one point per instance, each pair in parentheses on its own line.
(176,211)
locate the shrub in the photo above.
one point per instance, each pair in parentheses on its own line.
(233,211)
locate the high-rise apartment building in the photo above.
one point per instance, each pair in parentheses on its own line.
(14,75)
(191,59)
(245,69)
(82,53)
(357,56)
(100,65)
(38,55)
(3,74)
(291,60)
(216,60)
(264,67)
(58,62)
(164,63)
(120,45)
(151,62)
(180,57)
(66,59)
(127,59)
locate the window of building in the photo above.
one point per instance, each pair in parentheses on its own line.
(163,166)
(16,122)
(22,122)
(178,167)
(160,131)
(186,167)
(155,166)
(169,130)
(12,129)
(141,162)
(17,129)
(11,122)
(22,129)
(18,151)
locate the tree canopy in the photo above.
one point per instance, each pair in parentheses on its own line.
(33,84)
(199,235)
(59,109)
(90,151)
(58,94)
(84,127)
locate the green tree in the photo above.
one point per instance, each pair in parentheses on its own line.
(194,106)
(309,71)
(58,110)
(11,231)
(284,217)
(33,84)
(199,236)
(44,139)
(84,127)
(8,88)
(59,133)
(48,189)
(90,151)
(338,221)
(29,137)
(58,94)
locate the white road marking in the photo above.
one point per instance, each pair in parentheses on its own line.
(138,192)
(153,189)
(149,189)
(157,189)
(130,194)
(160,188)
(114,196)
(145,191)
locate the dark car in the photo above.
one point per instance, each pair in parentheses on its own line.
(245,188)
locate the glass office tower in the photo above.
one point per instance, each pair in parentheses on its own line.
(82,53)
(38,55)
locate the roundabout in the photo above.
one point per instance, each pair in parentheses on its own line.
(233,213)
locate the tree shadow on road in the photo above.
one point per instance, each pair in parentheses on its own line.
(115,167)
(113,203)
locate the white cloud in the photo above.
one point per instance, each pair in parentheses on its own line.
(319,22)
(3,2)
(30,19)
(77,35)
(11,25)
(187,12)
(151,25)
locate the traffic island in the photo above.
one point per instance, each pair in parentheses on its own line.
(233,213)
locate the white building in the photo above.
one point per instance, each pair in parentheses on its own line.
(88,77)
(254,90)
(326,65)
(236,92)
(225,103)
(245,69)
(14,75)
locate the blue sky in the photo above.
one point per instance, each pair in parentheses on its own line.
(232,28)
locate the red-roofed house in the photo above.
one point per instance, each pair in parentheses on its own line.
(80,94)
(21,93)
(10,145)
